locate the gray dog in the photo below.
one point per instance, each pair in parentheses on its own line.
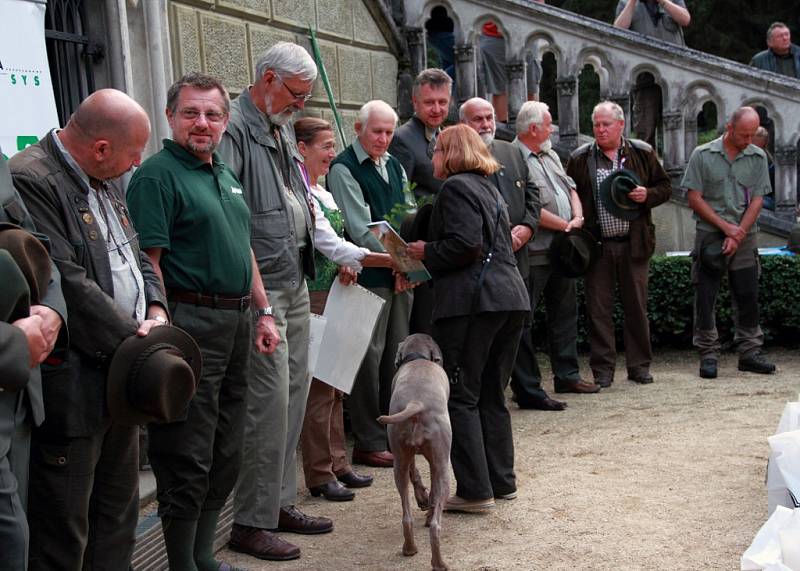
(418,423)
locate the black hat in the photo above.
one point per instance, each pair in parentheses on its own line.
(153,378)
(614,192)
(573,253)
(415,225)
(712,260)
(30,255)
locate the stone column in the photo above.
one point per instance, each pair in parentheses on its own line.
(405,82)
(689,136)
(517,92)
(568,111)
(465,72)
(624,101)
(415,37)
(673,141)
(785,181)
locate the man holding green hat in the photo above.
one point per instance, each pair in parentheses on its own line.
(25,341)
(726,181)
(617,213)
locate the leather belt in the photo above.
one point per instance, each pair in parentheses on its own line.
(625,238)
(209,300)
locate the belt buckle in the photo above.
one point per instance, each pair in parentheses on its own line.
(243,303)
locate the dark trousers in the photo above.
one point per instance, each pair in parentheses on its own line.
(482,453)
(616,267)
(743,270)
(14,447)
(84,500)
(373,385)
(422,309)
(196,460)
(562,333)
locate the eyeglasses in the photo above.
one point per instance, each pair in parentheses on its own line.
(296,96)
(211,116)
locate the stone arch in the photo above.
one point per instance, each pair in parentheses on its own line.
(458,27)
(541,43)
(475,30)
(601,64)
(777,129)
(659,79)
(695,95)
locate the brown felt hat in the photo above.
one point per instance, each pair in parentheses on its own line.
(31,257)
(153,378)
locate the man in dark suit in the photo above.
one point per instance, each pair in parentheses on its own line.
(410,145)
(513,180)
(84,497)
(24,344)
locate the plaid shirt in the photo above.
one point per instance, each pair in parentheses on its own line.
(610,225)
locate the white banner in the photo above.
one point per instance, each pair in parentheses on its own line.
(27,104)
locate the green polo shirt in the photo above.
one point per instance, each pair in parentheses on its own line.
(197,214)
(726,186)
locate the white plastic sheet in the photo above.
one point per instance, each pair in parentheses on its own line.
(766,552)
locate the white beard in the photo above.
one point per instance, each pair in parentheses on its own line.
(487,138)
(546,146)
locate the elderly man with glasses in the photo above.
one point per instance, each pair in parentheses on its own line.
(259,145)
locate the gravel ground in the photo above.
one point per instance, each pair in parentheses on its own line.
(664,476)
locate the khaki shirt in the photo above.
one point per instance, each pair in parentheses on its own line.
(728,187)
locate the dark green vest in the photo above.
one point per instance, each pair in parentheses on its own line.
(381,197)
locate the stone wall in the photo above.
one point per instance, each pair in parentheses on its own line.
(225,38)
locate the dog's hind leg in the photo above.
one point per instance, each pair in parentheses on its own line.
(420,493)
(402,463)
(440,491)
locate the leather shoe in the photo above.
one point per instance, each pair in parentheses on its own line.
(376,459)
(292,520)
(333,491)
(580,386)
(353,480)
(708,368)
(261,543)
(604,382)
(459,504)
(641,378)
(545,403)
(756,363)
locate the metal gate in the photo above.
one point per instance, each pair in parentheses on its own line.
(71,53)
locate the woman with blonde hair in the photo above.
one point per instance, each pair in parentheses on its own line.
(479,308)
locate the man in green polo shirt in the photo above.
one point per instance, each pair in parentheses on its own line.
(726,180)
(195,226)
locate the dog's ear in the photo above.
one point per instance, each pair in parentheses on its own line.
(399,356)
(436,355)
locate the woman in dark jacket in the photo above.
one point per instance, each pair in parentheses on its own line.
(480,304)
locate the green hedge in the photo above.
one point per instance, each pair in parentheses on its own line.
(671,298)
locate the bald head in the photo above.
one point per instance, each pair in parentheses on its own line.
(479,114)
(107,134)
(741,129)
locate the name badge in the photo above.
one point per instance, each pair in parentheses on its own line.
(235,190)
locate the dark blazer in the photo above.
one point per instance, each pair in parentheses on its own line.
(767,60)
(410,147)
(13,210)
(519,191)
(75,390)
(462,227)
(640,158)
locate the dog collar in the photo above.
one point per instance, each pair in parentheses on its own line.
(412,357)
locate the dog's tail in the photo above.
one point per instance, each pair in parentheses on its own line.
(412,408)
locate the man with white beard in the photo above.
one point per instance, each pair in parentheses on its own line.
(259,145)
(561,212)
(512,180)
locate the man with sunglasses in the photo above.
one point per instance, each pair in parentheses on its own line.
(259,145)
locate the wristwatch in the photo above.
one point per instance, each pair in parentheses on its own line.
(264,312)
(162,320)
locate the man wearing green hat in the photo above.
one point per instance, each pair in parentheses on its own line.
(24,343)
(628,240)
(726,181)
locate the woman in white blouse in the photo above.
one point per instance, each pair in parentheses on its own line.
(324,454)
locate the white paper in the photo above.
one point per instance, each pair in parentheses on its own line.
(351,313)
